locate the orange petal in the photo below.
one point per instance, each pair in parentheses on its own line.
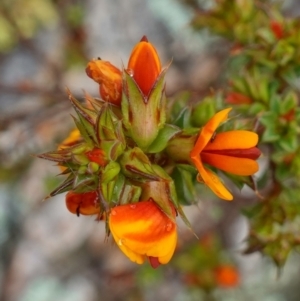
(234,165)
(110,79)
(208,131)
(232,140)
(142,229)
(145,64)
(212,181)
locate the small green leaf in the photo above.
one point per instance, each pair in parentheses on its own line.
(164,135)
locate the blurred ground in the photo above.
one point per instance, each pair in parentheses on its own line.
(48,253)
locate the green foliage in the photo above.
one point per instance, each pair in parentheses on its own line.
(263,69)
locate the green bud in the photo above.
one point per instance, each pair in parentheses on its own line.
(92,167)
(110,171)
(143,117)
(81,159)
(203,111)
(79,149)
(136,164)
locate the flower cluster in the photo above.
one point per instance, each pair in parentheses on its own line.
(120,162)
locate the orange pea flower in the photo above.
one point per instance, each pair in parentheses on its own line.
(232,151)
(85,203)
(143,230)
(227,276)
(145,65)
(108,77)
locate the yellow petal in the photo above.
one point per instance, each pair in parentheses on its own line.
(212,181)
(73,138)
(208,130)
(135,257)
(233,140)
(235,165)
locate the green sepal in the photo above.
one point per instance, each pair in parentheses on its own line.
(166,186)
(93,167)
(183,119)
(83,132)
(130,194)
(80,159)
(65,186)
(110,171)
(135,164)
(107,189)
(89,128)
(164,135)
(104,124)
(125,193)
(109,133)
(185,183)
(84,182)
(143,116)
(78,149)
(56,156)
(89,115)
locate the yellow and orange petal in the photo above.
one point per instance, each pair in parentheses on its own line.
(232,151)
(209,130)
(144,63)
(232,140)
(109,78)
(86,203)
(143,230)
(212,181)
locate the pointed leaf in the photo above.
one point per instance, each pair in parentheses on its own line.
(164,135)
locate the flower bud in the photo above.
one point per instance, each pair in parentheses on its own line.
(143,102)
(97,155)
(85,203)
(145,65)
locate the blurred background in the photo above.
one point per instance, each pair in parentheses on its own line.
(48,254)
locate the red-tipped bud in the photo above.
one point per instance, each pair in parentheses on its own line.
(97,155)
(109,78)
(145,65)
